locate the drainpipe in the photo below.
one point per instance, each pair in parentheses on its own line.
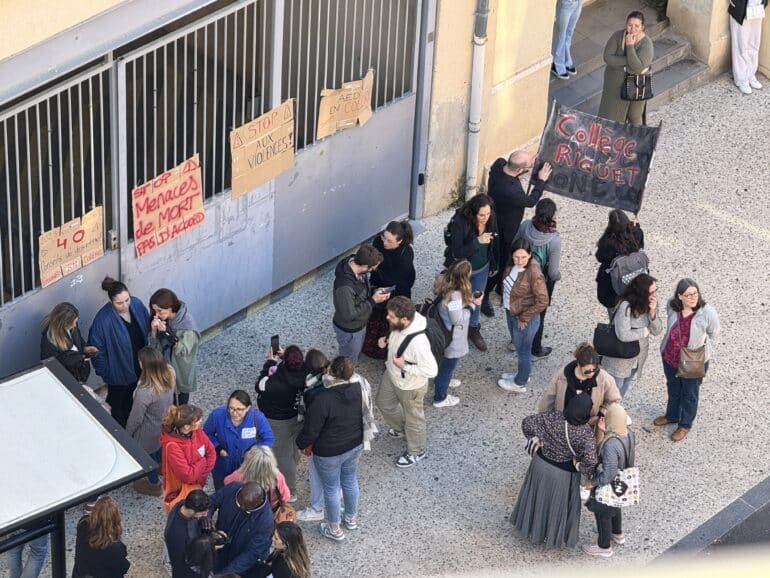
(477,86)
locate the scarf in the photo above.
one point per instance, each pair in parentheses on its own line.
(615,423)
(578,411)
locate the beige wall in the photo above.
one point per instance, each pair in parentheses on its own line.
(705,24)
(27,22)
(764,48)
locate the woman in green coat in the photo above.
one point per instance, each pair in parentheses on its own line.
(626,50)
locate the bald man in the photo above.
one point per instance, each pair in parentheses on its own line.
(510,199)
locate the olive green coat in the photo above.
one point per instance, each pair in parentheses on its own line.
(635,58)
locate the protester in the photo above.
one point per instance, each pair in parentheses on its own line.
(473,236)
(183,525)
(279,389)
(562,448)
(627,50)
(188,456)
(408,367)
(567,15)
(60,338)
(316,366)
(18,567)
(545,243)
(505,189)
(745,38)
(118,332)
(174,332)
(616,452)
(99,553)
(244,515)
(525,296)
(396,270)
(581,376)
(455,305)
(152,398)
(691,324)
(233,428)
(338,426)
(259,465)
(353,301)
(289,558)
(635,319)
(621,237)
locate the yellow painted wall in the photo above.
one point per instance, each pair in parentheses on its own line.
(705,24)
(764,48)
(27,22)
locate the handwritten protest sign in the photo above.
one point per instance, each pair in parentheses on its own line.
(167,206)
(345,107)
(73,245)
(597,160)
(262,149)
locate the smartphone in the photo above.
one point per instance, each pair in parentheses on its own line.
(388,289)
(477,294)
(274,344)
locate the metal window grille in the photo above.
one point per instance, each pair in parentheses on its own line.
(54,167)
(184,95)
(328,42)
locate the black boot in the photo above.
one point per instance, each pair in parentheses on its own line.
(486,308)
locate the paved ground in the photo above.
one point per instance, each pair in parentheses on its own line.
(706,216)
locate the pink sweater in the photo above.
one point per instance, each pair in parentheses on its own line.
(280,481)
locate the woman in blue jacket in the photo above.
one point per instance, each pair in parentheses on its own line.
(118,332)
(233,429)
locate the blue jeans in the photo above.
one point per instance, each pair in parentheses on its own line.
(153,477)
(522,340)
(335,472)
(478,283)
(683,397)
(316,488)
(567,15)
(445,370)
(350,344)
(38,549)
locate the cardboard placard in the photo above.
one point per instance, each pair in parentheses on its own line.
(167,206)
(75,244)
(597,160)
(345,107)
(262,148)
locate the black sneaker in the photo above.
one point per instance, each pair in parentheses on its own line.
(407,460)
(564,76)
(542,352)
(487,309)
(571,70)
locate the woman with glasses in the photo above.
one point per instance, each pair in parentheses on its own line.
(635,319)
(691,324)
(233,429)
(583,375)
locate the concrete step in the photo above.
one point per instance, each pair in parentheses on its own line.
(586,91)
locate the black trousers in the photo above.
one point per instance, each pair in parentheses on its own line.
(120,398)
(608,521)
(537,343)
(182,398)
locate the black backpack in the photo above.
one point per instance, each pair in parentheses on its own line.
(439,335)
(448,257)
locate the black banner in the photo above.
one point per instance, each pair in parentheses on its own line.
(597,160)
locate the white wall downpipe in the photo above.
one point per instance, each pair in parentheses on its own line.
(477,88)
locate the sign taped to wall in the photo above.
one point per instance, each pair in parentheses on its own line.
(75,244)
(345,107)
(262,148)
(167,206)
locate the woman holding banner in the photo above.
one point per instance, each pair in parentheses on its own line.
(627,50)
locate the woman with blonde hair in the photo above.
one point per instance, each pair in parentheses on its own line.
(60,338)
(99,553)
(259,465)
(152,397)
(456,303)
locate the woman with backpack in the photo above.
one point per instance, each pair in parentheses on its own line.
(472,235)
(545,242)
(525,296)
(621,237)
(456,304)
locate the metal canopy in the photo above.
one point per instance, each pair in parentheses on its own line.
(87,41)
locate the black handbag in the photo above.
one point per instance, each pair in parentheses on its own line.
(637,86)
(606,342)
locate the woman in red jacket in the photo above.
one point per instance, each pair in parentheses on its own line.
(188,454)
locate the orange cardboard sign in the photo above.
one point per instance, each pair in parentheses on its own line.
(75,244)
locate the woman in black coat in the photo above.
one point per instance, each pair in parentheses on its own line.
(621,237)
(60,338)
(99,553)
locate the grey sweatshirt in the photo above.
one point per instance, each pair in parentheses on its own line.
(612,457)
(537,238)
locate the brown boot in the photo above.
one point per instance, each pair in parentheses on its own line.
(474,336)
(143,486)
(661,420)
(679,434)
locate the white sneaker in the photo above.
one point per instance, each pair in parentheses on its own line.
(310,515)
(454,383)
(511,347)
(510,386)
(754,83)
(449,401)
(509,376)
(744,88)
(628,420)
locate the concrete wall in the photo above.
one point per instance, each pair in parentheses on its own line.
(705,24)
(35,20)
(764,48)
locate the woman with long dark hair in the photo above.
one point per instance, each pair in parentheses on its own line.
(621,237)
(60,338)
(99,553)
(174,332)
(118,332)
(289,557)
(473,232)
(692,324)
